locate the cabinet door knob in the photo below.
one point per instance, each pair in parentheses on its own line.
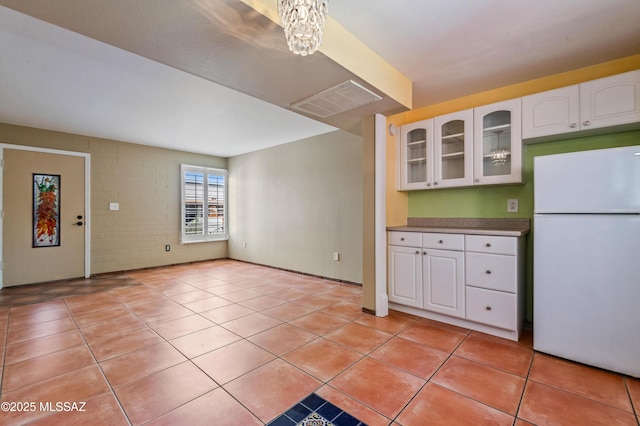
(401,238)
(440,241)
(586,123)
(488,272)
(476,180)
(488,308)
(573,125)
(435,183)
(417,251)
(488,244)
(428,183)
(424,252)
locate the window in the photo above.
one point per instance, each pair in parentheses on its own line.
(204,204)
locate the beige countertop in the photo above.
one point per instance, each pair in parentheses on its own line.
(481,226)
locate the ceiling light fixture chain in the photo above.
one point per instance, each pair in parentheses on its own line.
(303,22)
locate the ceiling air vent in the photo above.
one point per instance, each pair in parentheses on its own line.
(340,98)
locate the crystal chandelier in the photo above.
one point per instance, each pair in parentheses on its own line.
(499,155)
(303,22)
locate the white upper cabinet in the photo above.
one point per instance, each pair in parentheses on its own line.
(550,113)
(415,147)
(605,102)
(480,146)
(453,149)
(497,143)
(610,101)
(483,146)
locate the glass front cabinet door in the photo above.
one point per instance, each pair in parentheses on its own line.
(453,149)
(416,158)
(497,143)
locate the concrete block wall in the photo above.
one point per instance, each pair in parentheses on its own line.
(145,182)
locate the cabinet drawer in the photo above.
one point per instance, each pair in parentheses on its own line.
(491,244)
(492,308)
(443,241)
(408,239)
(491,271)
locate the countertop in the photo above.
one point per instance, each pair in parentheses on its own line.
(481,226)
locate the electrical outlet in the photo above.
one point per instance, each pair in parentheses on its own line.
(167,248)
(512,205)
(336,256)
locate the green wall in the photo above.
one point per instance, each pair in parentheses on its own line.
(491,201)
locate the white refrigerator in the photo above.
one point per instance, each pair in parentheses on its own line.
(586,282)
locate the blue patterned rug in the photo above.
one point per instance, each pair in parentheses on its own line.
(315,411)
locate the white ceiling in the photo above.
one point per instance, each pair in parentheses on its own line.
(215,76)
(55,79)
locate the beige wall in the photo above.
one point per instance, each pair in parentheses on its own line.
(296,204)
(145,181)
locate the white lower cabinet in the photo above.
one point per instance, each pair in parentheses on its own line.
(443,273)
(473,281)
(492,307)
(405,275)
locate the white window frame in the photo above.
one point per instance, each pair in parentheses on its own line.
(205,236)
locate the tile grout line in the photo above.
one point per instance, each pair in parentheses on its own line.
(635,410)
(365,355)
(220,386)
(280,357)
(368,354)
(427,381)
(4,351)
(111,390)
(188,359)
(526,383)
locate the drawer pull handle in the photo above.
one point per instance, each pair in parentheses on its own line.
(488,244)
(440,241)
(401,238)
(488,308)
(488,272)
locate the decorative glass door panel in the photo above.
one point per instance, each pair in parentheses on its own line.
(416,156)
(415,151)
(496,143)
(453,150)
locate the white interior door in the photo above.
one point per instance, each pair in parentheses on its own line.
(57,251)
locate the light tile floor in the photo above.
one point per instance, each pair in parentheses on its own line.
(230,343)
